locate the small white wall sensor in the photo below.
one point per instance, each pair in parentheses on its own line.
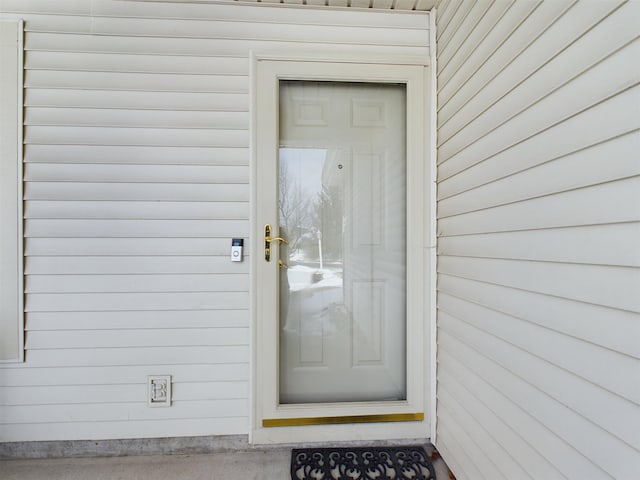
(236,249)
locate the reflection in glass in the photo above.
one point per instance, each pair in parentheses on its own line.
(342,208)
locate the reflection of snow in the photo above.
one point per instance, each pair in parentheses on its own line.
(302,277)
(299,256)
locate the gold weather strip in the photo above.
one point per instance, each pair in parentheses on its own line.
(299,422)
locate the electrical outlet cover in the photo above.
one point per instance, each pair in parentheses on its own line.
(159,390)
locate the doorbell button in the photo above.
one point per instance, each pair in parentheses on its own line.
(236,249)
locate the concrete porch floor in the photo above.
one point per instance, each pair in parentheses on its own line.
(269,464)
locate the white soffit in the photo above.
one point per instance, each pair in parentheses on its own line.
(418,5)
(399,5)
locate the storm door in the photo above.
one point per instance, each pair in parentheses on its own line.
(337,251)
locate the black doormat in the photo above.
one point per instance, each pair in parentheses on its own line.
(379,463)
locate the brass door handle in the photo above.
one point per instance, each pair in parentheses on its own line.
(267,242)
(276,239)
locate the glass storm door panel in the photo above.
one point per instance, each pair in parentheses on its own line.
(342,181)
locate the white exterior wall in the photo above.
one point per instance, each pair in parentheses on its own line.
(539,240)
(136,178)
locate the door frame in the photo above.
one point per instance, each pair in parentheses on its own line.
(266,71)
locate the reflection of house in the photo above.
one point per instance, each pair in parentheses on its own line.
(137,173)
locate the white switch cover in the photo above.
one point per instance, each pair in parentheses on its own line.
(159,390)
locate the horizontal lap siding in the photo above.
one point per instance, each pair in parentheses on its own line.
(136,177)
(539,239)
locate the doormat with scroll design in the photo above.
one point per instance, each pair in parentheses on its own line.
(376,463)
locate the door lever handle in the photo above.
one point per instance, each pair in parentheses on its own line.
(276,239)
(267,242)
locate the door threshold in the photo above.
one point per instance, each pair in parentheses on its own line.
(306,421)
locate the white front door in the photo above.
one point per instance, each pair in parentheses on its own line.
(339,308)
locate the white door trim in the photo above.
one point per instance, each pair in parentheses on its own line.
(266,70)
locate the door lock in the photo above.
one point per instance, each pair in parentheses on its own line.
(267,242)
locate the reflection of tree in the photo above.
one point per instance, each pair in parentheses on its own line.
(306,215)
(294,208)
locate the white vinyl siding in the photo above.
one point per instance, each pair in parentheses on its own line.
(136,179)
(539,239)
